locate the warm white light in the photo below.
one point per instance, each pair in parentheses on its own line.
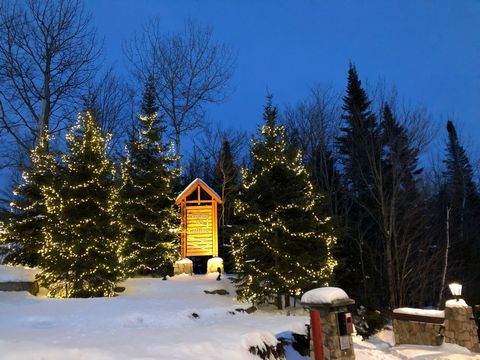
(456,289)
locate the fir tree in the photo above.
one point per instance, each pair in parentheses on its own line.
(282,244)
(147,195)
(23,230)
(80,255)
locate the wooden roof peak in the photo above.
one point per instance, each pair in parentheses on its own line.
(193,186)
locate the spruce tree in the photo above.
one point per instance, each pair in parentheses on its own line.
(282,244)
(359,250)
(23,230)
(80,254)
(148,204)
(464,201)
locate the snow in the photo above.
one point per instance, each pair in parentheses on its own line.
(325,295)
(259,340)
(456,303)
(422,312)
(188,188)
(16,273)
(153,320)
(184,261)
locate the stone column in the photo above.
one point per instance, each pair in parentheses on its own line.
(330,303)
(460,326)
(184,266)
(214,264)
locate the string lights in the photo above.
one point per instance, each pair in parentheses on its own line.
(148,204)
(282,245)
(81,253)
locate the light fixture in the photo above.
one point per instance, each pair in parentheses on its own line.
(456,290)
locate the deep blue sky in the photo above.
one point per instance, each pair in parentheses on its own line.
(429,49)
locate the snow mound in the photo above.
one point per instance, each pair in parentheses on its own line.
(456,303)
(259,340)
(421,312)
(325,295)
(16,274)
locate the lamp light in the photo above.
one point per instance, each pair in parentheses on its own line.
(456,290)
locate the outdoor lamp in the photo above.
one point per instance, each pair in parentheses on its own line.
(456,290)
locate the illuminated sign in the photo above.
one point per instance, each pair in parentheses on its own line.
(199,225)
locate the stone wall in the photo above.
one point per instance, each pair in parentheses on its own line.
(455,325)
(460,327)
(417,333)
(30,286)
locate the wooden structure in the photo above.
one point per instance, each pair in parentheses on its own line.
(199,222)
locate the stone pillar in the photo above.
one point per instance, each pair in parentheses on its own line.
(213,264)
(184,266)
(331,304)
(460,326)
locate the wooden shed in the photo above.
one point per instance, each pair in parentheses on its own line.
(199,221)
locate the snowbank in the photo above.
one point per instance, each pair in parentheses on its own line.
(16,274)
(421,312)
(325,295)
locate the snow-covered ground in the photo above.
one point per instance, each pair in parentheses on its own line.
(153,319)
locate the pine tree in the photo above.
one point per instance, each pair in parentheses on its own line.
(282,243)
(227,184)
(147,195)
(23,230)
(80,255)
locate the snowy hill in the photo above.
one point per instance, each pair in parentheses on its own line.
(153,319)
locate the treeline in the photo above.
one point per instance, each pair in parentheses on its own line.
(329,191)
(403,232)
(87,222)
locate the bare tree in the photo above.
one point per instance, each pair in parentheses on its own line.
(47,56)
(191,70)
(113,102)
(313,126)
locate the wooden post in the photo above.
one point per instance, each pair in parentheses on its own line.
(317,336)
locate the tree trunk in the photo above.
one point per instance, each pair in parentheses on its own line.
(43,125)
(445,264)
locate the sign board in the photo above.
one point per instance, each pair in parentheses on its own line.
(200,230)
(199,225)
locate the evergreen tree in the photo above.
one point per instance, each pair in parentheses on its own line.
(464,201)
(282,244)
(359,250)
(80,254)
(227,184)
(359,139)
(147,195)
(23,229)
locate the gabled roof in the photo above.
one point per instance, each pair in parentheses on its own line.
(193,186)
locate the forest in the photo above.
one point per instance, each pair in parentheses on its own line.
(336,189)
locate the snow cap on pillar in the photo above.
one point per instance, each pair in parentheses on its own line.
(326,296)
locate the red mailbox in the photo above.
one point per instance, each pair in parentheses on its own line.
(345,323)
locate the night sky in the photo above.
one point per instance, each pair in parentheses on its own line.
(430,50)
